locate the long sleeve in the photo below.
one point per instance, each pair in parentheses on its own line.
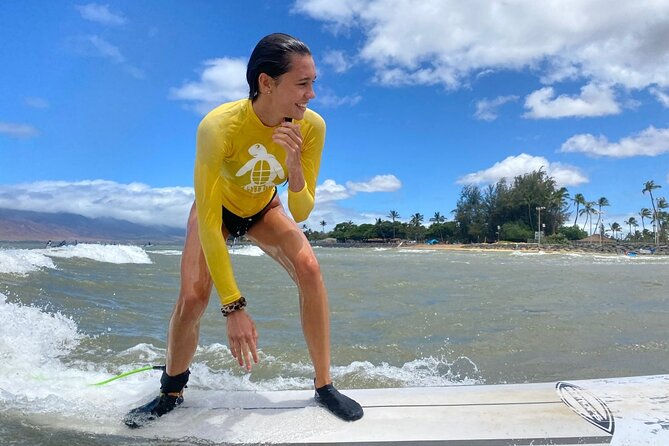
(301,203)
(208,198)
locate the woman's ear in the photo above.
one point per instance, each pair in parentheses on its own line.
(265,83)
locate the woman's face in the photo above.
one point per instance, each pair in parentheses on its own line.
(294,89)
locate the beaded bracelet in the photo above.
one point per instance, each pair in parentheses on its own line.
(233,306)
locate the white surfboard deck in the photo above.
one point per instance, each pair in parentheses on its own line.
(621,411)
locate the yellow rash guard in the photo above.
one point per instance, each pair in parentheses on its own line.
(237,166)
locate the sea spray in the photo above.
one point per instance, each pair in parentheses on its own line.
(23,261)
(117,254)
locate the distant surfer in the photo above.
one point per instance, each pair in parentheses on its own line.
(244,150)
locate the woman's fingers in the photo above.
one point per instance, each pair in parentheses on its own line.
(288,135)
(243,339)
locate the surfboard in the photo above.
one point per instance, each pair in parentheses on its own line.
(622,411)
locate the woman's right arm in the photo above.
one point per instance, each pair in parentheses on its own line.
(208,199)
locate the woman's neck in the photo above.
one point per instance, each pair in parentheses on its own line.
(263,111)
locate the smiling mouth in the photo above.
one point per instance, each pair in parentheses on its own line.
(302,106)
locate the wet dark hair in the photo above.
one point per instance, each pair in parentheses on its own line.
(272,57)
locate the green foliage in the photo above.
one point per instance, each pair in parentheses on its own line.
(516,231)
(441,231)
(510,212)
(573,232)
(481,213)
(556,239)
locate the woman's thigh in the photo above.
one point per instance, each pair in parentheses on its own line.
(195,278)
(280,237)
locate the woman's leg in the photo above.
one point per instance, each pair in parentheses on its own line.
(280,237)
(183,332)
(193,299)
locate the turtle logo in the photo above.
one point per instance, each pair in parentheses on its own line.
(264,169)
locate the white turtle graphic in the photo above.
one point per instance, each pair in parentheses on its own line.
(264,168)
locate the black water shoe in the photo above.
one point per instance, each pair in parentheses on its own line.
(171,395)
(155,408)
(340,405)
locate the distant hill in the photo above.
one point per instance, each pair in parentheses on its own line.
(41,226)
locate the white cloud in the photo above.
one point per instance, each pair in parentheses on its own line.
(331,100)
(446,41)
(220,81)
(337,60)
(486,109)
(169,206)
(35,102)
(513,166)
(101,14)
(380,183)
(14,130)
(329,190)
(96,46)
(135,202)
(649,142)
(330,194)
(594,100)
(661,96)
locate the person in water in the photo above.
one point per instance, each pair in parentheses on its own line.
(245,149)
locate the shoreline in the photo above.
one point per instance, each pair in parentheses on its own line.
(574,248)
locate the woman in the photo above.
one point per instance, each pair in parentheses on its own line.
(244,149)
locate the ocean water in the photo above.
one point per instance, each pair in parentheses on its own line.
(77,315)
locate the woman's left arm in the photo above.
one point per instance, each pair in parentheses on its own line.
(303,158)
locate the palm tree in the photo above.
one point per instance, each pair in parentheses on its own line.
(557,204)
(579,200)
(615,227)
(631,222)
(437,219)
(393,215)
(648,187)
(323,224)
(645,213)
(661,214)
(416,221)
(588,210)
(603,201)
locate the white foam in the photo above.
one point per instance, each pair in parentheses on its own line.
(166,252)
(36,377)
(528,253)
(246,250)
(41,375)
(416,251)
(117,254)
(23,261)
(31,341)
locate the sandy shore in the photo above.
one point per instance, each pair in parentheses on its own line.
(610,249)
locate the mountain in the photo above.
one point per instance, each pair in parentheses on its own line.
(41,226)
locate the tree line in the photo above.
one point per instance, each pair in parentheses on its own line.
(512,211)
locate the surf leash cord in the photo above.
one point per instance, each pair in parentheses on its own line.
(131,372)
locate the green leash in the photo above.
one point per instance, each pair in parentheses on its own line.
(131,372)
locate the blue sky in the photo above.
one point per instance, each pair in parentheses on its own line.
(100,101)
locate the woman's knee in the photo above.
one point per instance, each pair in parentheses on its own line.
(192,305)
(307,267)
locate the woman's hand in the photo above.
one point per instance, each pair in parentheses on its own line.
(242,338)
(289,136)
